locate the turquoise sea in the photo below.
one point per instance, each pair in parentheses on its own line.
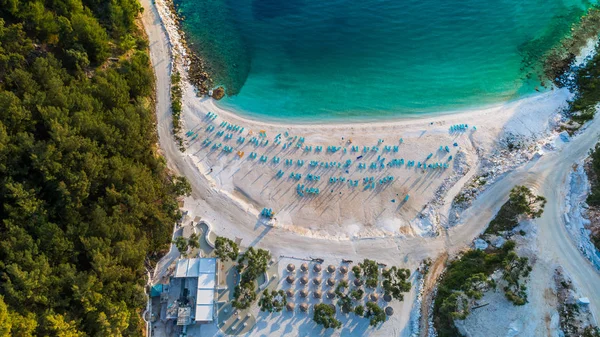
(364,59)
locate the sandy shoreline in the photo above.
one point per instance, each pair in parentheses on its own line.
(339,123)
(253,185)
(383,119)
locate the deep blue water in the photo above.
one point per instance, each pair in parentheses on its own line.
(308,59)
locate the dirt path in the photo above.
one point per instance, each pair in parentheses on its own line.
(434,273)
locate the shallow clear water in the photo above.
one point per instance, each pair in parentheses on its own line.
(307,59)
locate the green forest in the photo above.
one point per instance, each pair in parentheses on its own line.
(86,202)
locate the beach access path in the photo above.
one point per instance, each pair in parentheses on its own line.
(547,175)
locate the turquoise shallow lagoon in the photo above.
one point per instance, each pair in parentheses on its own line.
(348,59)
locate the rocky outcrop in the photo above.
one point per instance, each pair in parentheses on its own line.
(218,93)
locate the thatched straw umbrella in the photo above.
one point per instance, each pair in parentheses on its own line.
(387,297)
(331,268)
(317,268)
(331,281)
(304,267)
(291,267)
(344,270)
(331,294)
(303,293)
(289,293)
(373,297)
(290,306)
(316,281)
(290,279)
(304,280)
(304,307)
(317,294)
(358,282)
(389,311)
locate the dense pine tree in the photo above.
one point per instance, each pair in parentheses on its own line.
(84,197)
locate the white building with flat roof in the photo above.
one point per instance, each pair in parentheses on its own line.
(204,271)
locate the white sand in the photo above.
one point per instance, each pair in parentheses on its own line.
(339,211)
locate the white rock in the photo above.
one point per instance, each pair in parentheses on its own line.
(480,244)
(513,329)
(498,242)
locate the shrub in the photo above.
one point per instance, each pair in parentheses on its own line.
(325,315)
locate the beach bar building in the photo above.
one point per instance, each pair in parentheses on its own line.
(198,277)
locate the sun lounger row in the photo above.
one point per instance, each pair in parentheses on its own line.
(432,165)
(231,127)
(459,127)
(333,149)
(313,177)
(301,189)
(211,116)
(267,212)
(333,180)
(396,162)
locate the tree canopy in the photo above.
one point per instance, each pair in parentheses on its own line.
(272,301)
(324,315)
(253,263)
(521,202)
(375,314)
(370,271)
(396,282)
(226,249)
(84,197)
